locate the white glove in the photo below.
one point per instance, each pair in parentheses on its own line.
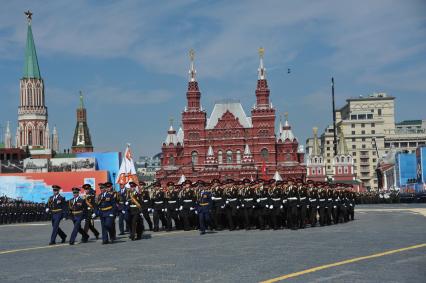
(127,203)
(238,207)
(94,215)
(162,209)
(281,206)
(222,206)
(165,210)
(124,212)
(242,205)
(47,210)
(271,207)
(111,215)
(317,206)
(181,207)
(258,200)
(141,214)
(267,206)
(191,209)
(196,212)
(227,202)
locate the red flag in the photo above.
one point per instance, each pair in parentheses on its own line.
(264,170)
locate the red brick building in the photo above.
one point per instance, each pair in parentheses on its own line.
(230,144)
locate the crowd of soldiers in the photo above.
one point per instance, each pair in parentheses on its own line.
(19,211)
(217,205)
(378,197)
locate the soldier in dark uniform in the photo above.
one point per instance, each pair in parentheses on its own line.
(77,212)
(313,199)
(248,204)
(134,202)
(159,206)
(231,204)
(105,210)
(89,198)
(57,207)
(218,205)
(122,208)
(204,205)
(187,206)
(146,205)
(172,212)
(322,205)
(329,205)
(110,188)
(262,205)
(276,206)
(292,201)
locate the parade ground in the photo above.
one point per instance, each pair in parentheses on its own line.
(385,243)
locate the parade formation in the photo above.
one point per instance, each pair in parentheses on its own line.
(232,205)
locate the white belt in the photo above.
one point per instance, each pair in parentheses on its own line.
(263,198)
(145,200)
(276,199)
(172,201)
(292,198)
(214,198)
(312,199)
(322,199)
(133,205)
(330,199)
(248,199)
(187,200)
(303,198)
(232,199)
(158,202)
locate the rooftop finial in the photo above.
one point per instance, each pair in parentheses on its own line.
(261,69)
(171,122)
(81,100)
(29,16)
(192,70)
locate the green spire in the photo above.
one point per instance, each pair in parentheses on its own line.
(31,69)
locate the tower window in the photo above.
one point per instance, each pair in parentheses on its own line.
(219,157)
(194,158)
(265,154)
(229,156)
(238,157)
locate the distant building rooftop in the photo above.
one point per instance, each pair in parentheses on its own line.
(409,122)
(374,96)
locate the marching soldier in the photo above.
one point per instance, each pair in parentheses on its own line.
(204,205)
(146,205)
(77,210)
(313,203)
(276,207)
(106,210)
(303,205)
(248,204)
(123,217)
(135,209)
(159,205)
(218,205)
(232,205)
(292,201)
(187,206)
(262,205)
(57,207)
(172,212)
(89,198)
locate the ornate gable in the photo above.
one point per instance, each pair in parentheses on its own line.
(228,121)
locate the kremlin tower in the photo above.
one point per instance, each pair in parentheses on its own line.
(81,141)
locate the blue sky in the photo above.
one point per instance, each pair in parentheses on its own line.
(130,59)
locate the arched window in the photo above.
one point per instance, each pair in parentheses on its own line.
(238,157)
(30,137)
(313,171)
(229,156)
(288,157)
(194,158)
(171,160)
(345,169)
(219,157)
(265,154)
(339,170)
(30,97)
(41,137)
(315,160)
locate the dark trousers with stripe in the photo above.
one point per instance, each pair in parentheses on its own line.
(56,219)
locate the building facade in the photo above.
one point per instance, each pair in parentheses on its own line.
(229,144)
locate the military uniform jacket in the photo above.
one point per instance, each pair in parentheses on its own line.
(77,206)
(159,201)
(232,200)
(146,200)
(313,199)
(106,204)
(90,202)
(262,200)
(205,202)
(57,204)
(173,202)
(275,200)
(217,201)
(248,200)
(121,199)
(187,201)
(134,202)
(293,196)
